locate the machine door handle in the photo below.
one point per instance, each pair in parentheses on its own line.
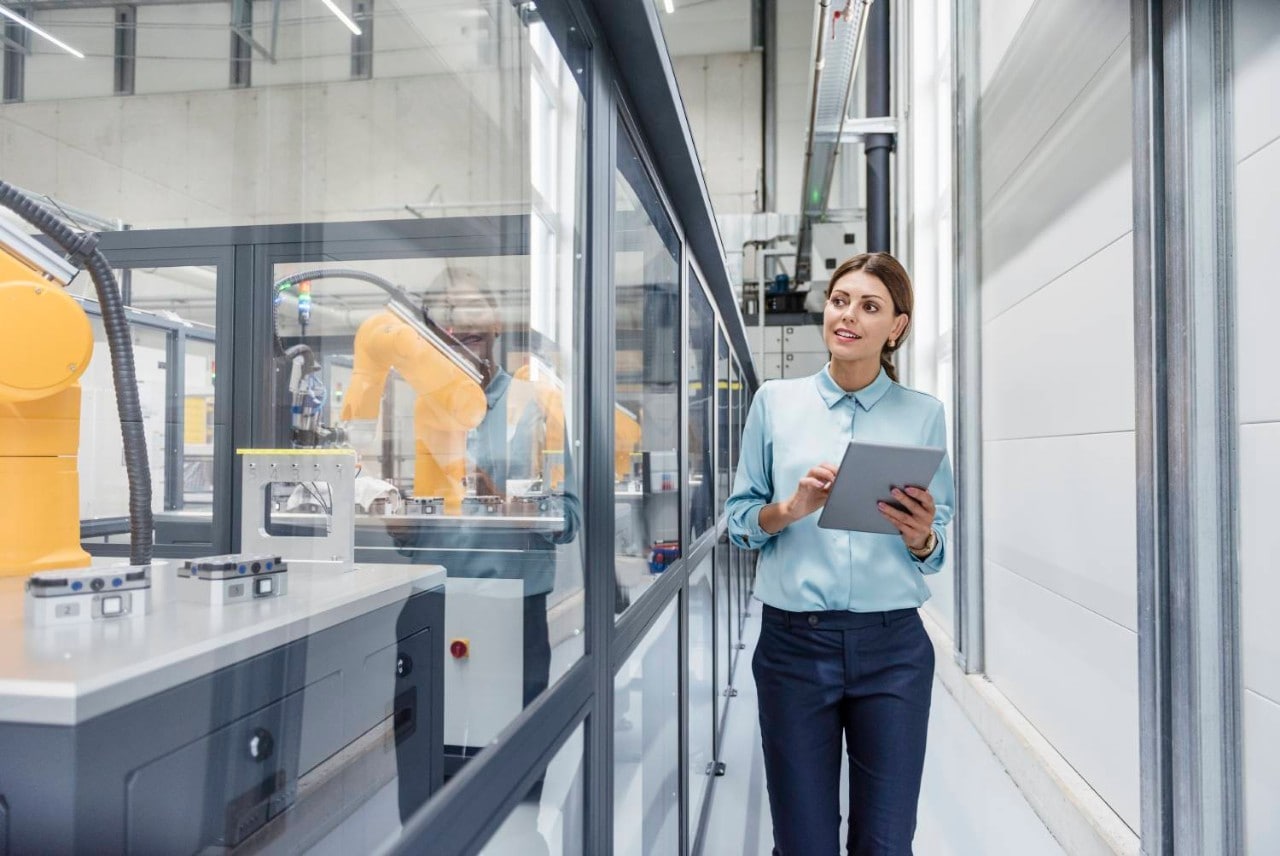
(261,744)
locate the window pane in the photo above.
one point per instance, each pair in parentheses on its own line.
(701,357)
(646,801)
(549,820)
(723,428)
(646,272)
(403,373)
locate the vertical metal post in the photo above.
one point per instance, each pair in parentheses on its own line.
(126,44)
(174,423)
(17,43)
(966,195)
(878,147)
(769,109)
(1189,663)
(362,45)
(598,523)
(241,48)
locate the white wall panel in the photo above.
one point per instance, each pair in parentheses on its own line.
(1259,560)
(337,151)
(721,94)
(53,73)
(998,24)
(1100,217)
(1257,297)
(1074,675)
(1256,71)
(1061,361)
(706,26)
(1061,512)
(1261,775)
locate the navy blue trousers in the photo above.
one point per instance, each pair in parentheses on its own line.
(861,678)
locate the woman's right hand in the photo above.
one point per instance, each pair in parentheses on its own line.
(812,492)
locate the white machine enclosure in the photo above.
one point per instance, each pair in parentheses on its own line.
(484,690)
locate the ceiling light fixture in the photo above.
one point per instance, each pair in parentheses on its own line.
(670,6)
(343,17)
(18,19)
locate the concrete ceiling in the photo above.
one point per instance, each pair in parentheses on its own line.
(706,26)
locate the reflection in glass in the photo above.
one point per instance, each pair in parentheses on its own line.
(549,821)
(407,236)
(647,273)
(702,689)
(647,744)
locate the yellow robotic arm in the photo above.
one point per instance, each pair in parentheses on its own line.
(45,346)
(450,401)
(550,395)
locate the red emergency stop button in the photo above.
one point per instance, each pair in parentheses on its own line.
(460,649)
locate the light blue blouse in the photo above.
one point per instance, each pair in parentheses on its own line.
(797,424)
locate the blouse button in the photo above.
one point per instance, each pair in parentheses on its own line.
(813,621)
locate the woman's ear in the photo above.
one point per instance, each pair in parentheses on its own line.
(900,326)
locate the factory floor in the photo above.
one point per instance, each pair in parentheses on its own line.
(968,804)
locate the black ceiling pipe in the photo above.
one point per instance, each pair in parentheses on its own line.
(878,146)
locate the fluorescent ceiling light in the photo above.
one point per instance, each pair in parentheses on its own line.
(18,19)
(343,17)
(670,6)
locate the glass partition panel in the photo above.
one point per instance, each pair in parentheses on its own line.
(549,821)
(646,270)
(405,217)
(723,646)
(701,403)
(104,494)
(646,753)
(702,688)
(724,474)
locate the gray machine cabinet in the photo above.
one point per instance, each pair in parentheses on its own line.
(207,763)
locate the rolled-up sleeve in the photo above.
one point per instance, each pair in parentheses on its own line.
(943,489)
(753,483)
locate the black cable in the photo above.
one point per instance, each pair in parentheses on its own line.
(82,247)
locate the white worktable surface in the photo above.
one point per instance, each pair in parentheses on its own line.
(66,675)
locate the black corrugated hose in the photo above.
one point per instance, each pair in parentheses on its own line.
(82,247)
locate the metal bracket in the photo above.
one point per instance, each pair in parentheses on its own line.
(855,129)
(720,768)
(730,692)
(260,468)
(268,55)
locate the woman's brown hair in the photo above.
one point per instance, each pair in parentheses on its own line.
(889,271)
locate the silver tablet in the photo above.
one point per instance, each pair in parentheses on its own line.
(867,475)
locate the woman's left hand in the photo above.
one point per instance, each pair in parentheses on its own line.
(917,521)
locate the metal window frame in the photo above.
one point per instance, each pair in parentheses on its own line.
(967,335)
(126,48)
(1188,572)
(362,45)
(17,46)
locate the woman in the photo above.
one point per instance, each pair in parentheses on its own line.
(842,651)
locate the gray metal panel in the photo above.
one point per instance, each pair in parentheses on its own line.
(1187,565)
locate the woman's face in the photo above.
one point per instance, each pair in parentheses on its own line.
(859,318)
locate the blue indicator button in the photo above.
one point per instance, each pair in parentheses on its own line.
(76,586)
(242,569)
(117,582)
(270,565)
